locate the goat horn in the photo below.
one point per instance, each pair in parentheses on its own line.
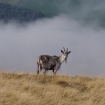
(64,49)
(67,50)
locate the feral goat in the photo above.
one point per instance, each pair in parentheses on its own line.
(47,62)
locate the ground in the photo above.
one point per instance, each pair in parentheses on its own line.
(30,89)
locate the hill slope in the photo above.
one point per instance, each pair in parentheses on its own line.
(12,2)
(9,12)
(26,89)
(88,12)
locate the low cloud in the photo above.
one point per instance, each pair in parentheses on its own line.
(21,45)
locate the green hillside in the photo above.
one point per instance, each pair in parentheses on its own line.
(9,12)
(46,6)
(50,6)
(12,2)
(87,12)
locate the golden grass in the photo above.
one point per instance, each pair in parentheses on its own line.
(27,89)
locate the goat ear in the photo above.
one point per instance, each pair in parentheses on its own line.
(62,51)
(69,52)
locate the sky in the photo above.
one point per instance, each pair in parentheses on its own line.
(21,45)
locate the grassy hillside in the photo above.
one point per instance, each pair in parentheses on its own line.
(27,89)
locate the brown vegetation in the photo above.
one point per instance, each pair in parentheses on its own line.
(27,89)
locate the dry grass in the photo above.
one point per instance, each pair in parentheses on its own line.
(27,89)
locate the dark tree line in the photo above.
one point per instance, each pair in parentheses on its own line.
(9,12)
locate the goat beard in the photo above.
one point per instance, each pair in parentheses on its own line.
(65,61)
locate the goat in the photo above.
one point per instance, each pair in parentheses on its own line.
(47,62)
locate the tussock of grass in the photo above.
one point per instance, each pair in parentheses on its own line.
(27,89)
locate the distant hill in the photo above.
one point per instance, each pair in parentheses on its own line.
(49,7)
(12,2)
(9,12)
(85,11)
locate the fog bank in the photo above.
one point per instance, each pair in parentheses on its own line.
(21,45)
